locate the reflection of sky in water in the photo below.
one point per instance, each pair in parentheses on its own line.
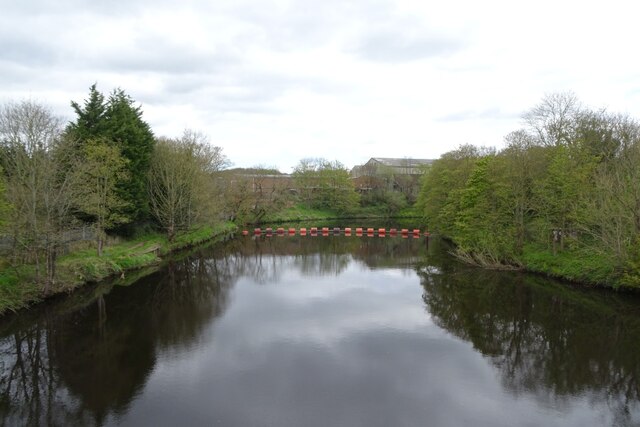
(353,349)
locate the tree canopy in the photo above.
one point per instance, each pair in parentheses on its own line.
(118,121)
(325,184)
(565,186)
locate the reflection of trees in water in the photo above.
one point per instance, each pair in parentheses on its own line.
(264,259)
(77,368)
(64,366)
(545,339)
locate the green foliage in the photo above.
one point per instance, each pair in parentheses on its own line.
(19,288)
(91,121)
(118,122)
(102,168)
(567,187)
(326,185)
(15,293)
(579,265)
(389,202)
(5,207)
(124,126)
(443,184)
(181,184)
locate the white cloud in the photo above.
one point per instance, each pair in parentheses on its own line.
(272,82)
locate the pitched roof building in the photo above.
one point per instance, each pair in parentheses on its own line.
(398,166)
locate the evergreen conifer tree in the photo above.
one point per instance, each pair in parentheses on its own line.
(118,121)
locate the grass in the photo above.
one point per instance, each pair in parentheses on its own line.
(301,212)
(298,212)
(19,287)
(577,265)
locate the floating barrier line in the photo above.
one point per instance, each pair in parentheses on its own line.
(325,231)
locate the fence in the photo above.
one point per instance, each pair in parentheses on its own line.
(80,234)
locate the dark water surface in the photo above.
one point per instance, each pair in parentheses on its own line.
(324,331)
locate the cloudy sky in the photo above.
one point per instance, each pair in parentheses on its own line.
(275,81)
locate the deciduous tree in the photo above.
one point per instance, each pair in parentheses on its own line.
(181,181)
(40,191)
(326,185)
(102,168)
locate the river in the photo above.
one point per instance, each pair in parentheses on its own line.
(324,331)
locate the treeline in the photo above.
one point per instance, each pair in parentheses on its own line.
(106,168)
(317,185)
(563,196)
(250,195)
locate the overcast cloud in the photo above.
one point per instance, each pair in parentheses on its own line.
(275,81)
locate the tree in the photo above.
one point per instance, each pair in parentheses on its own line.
(125,127)
(181,181)
(118,122)
(5,207)
(553,119)
(442,184)
(35,161)
(91,119)
(325,185)
(102,168)
(249,194)
(523,163)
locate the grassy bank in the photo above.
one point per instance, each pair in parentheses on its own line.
(582,266)
(300,212)
(19,287)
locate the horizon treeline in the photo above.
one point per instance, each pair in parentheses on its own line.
(107,170)
(562,197)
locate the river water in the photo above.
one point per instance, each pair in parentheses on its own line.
(324,331)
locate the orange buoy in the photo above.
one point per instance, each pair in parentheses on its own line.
(314,231)
(347,231)
(257,231)
(404,231)
(280,230)
(325,229)
(393,231)
(245,232)
(269,231)
(292,231)
(359,230)
(303,231)
(416,231)
(382,231)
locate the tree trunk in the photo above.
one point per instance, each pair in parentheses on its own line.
(171,233)
(51,255)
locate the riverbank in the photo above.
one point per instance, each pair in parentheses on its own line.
(299,213)
(19,287)
(576,265)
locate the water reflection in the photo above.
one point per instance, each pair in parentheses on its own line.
(274,331)
(545,339)
(75,368)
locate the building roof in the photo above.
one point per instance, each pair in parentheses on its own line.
(401,162)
